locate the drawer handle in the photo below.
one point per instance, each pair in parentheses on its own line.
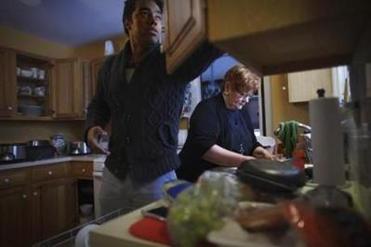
(6,180)
(83,170)
(50,173)
(35,193)
(24,196)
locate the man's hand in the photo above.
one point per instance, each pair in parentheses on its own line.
(261,153)
(94,135)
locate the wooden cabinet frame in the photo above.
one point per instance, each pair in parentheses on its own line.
(8,83)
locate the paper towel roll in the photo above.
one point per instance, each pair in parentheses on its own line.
(327,142)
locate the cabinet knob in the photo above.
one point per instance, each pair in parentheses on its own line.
(24,196)
(83,170)
(50,173)
(6,180)
(35,193)
(10,108)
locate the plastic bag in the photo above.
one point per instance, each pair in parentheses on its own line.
(202,207)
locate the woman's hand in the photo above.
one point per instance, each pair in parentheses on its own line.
(261,153)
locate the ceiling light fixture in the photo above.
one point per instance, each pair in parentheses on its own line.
(31,3)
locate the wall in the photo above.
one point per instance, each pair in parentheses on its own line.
(21,41)
(218,68)
(96,49)
(282,110)
(22,131)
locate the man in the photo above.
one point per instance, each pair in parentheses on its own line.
(221,133)
(143,103)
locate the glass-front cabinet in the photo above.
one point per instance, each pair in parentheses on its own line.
(33,86)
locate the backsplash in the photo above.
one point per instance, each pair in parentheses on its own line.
(22,131)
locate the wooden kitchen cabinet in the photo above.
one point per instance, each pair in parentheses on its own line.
(56,88)
(303,86)
(15,215)
(58,206)
(54,196)
(45,173)
(33,84)
(12,178)
(269,37)
(68,88)
(185,30)
(8,84)
(87,84)
(59,89)
(15,207)
(96,65)
(82,170)
(24,85)
(36,203)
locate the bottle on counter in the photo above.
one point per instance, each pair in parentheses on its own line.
(59,143)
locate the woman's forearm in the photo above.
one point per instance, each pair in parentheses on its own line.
(223,157)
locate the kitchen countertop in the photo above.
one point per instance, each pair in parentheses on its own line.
(81,158)
(116,232)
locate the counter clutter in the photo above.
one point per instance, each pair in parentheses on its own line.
(116,232)
(197,212)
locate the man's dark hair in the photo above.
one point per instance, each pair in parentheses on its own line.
(129,8)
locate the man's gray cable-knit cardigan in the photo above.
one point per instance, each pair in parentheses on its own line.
(144,112)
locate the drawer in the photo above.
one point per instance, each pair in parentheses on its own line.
(43,173)
(14,178)
(82,169)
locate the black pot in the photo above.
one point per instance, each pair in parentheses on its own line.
(39,150)
(38,143)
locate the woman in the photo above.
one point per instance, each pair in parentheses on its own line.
(221,133)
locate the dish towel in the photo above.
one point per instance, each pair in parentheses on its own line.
(288,134)
(151,229)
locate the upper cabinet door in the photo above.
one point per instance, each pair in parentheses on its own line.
(96,65)
(68,89)
(7,83)
(185,29)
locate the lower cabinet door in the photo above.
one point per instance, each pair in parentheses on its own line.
(14,217)
(58,206)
